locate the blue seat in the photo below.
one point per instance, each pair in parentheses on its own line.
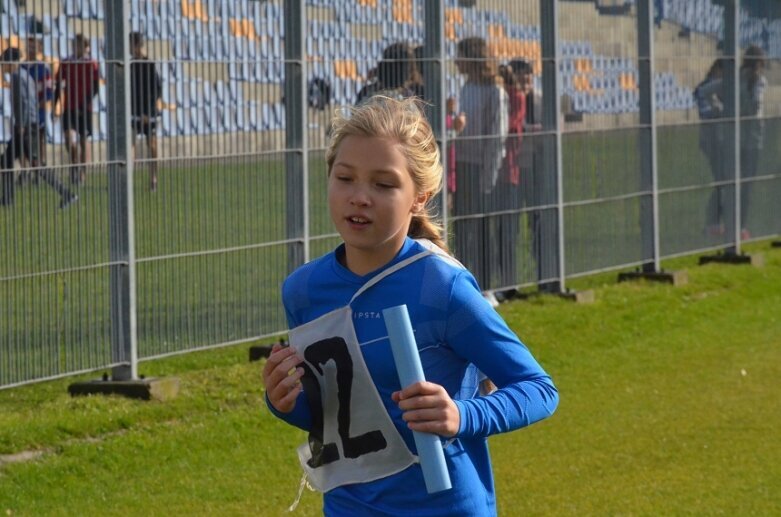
(72,8)
(96,9)
(235,71)
(180,49)
(279,114)
(220,92)
(167,124)
(182,95)
(5,102)
(236,92)
(254,123)
(269,120)
(228,115)
(196,93)
(241,118)
(102,127)
(5,129)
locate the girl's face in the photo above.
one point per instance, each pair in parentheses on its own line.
(371,198)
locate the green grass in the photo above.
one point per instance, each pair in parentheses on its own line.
(669,406)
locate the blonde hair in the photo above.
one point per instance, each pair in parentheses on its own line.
(404,122)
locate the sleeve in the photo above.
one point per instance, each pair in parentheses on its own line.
(95,79)
(707,97)
(517,112)
(526,393)
(158,84)
(495,126)
(301,416)
(48,92)
(17,99)
(57,87)
(758,96)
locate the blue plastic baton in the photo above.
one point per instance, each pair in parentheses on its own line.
(405,355)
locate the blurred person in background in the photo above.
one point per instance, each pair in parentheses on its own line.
(396,75)
(146,88)
(508,192)
(753,84)
(533,185)
(24,140)
(479,154)
(454,124)
(42,76)
(710,106)
(79,77)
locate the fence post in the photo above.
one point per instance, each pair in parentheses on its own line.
(296,148)
(649,208)
(122,253)
(552,165)
(651,268)
(732,104)
(434,89)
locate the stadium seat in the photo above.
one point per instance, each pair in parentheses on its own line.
(5,129)
(183,95)
(183,125)
(167,123)
(254,123)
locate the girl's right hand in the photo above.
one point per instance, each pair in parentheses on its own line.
(282,378)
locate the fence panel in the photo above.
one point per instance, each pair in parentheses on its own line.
(582,148)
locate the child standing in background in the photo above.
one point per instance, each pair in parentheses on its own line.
(337,380)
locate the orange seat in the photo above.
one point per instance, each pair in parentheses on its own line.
(454,15)
(346,69)
(402,11)
(581,83)
(450,31)
(194,10)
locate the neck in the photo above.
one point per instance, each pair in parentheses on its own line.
(362,262)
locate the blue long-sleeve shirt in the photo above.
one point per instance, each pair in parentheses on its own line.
(24,99)
(454,328)
(43,82)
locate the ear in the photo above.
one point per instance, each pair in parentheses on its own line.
(420,202)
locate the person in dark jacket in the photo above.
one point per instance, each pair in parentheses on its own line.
(396,75)
(146,90)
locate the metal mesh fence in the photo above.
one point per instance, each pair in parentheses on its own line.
(168,169)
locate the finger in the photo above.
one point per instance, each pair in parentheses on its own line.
(425,415)
(281,388)
(420,388)
(280,393)
(283,369)
(290,399)
(279,364)
(422,402)
(278,355)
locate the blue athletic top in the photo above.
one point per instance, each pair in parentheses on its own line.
(43,83)
(455,328)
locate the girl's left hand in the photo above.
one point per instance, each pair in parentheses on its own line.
(428,408)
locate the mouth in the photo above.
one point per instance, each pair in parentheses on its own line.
(357,220)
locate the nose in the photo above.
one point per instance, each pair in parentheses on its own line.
(360,196)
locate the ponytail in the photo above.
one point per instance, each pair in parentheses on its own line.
(422,227)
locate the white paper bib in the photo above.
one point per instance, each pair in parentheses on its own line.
(352,439)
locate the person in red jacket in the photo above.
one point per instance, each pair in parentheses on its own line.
(78,75)
(508,196)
